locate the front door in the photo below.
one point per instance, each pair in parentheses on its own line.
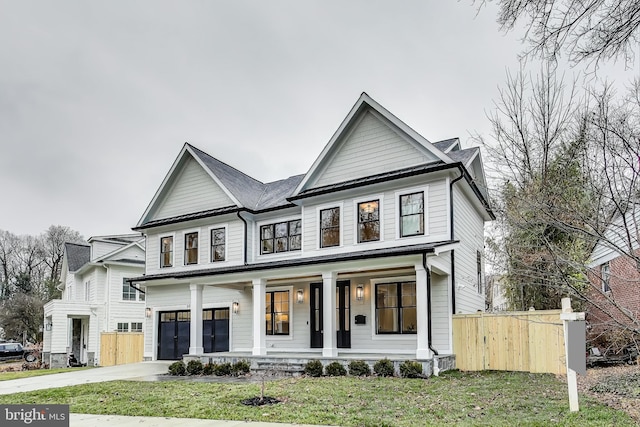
(315,302)
(343,314)
(215,329)
(174,328)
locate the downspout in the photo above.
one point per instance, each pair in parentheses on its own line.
(245,236)
(429,320)
(453,256)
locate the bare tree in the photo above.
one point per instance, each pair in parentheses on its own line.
(586,30)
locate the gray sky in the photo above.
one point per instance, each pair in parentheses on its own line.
(97,98)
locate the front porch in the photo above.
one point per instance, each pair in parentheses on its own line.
(294,363)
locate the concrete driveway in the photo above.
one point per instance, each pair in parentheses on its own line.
(85,376)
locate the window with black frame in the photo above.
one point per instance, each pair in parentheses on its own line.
(166,251)
(283,236)
(396,308)
(412,214)
(191,248)
(277,313)
(218,244)
(330,227)
(369,221)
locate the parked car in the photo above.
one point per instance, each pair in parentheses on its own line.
(15,351)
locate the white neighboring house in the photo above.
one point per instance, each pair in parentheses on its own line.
(369,252)
(95,298)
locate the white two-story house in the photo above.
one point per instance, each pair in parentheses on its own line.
(96,298)
(368,253)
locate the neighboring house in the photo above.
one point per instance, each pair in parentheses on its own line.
(95,298)
(495,293)
(615,276)
(368,253)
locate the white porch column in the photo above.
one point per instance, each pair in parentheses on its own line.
(259,306)
(195,337)
(422,344)
(329,338)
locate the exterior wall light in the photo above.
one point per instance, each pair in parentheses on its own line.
(360,292)
(147,312)
(47,326)
(236,307)
(300,296)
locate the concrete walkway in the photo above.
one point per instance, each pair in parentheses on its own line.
(133,371)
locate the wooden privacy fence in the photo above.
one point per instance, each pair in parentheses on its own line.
(118,348)
(530,341)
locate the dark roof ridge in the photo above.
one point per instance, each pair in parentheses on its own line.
(225,164)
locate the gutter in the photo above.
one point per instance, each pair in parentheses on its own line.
(429,319)
(453,252)
(244,252)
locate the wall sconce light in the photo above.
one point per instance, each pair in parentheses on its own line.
(147,312)
(236,307)
(47,326)
(360,292)
(300,296)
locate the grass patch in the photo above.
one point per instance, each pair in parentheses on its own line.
(483,398)
(14,375)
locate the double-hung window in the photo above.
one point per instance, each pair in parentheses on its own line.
(412,214)
(191,248)
(396,308)
(283,236)
(277,313)
(129,293)
(605,272)
(166,251)
(369,221)
(218,244)
(330,227)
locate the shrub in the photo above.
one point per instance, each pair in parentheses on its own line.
(383,368)
(241,367)
(222,369)
(359,368)
(194,367)
(313,368)
(411,369)
(207,369)
(335,369)
(177,368)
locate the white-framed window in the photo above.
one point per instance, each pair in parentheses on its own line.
(411,214)
(218,246)
(129,293)
(278,312)
(87,290)
(122,327)
(330,226)
(605,277)
(395,307)
(69,292)
(191,248)
(136,326)
(166,251)
(283,236)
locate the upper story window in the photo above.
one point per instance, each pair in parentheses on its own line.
(129,293)
(277,313)
(412,214)
(218,244)
(191,248)
(166,251)
(281,237)
(396,308)
(605,272)
(87,290)
(479,270)
(330,227)
(369,221)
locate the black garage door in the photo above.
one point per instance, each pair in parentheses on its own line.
(175,327)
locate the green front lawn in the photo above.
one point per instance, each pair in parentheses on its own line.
(483,398)
(14,375)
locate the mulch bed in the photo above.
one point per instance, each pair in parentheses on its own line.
(260,401)
(614,386)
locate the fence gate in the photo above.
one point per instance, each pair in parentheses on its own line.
(530,341)
(118,348)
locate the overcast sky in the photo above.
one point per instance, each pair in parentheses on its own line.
(97,98)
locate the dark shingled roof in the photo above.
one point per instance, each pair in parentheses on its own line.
(77,255)
(445,144)
(463,156)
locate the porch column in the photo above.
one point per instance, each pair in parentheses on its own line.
(422,339)
(195,337)
(329,338)
(259,306)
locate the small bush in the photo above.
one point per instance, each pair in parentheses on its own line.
(207,369)
(359,368)
(177,368)
(241,367)
(194,367)
(313,368)
(222,369)
(383,368)
(335,369)
(411,369)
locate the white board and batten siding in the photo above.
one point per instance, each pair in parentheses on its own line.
(469,230)
(372,147)
(193,190)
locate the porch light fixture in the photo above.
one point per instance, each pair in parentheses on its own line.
(47,326)
(147,312)
(300,296)
(360,292)
(236,307)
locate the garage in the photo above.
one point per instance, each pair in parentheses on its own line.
(174,328)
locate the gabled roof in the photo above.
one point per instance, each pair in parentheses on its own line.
(448,145)
(464,156)
(77,255)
